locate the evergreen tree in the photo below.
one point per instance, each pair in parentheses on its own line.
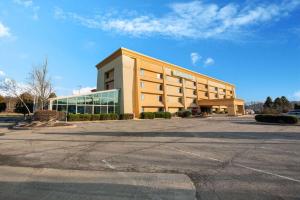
(28,100)
(52,95)
(278,105)
(2,104)
(268,103)
(268,106)
(286,105)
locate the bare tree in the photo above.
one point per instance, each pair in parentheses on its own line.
(11,88)
(40,84)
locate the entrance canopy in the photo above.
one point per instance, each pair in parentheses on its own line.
(234,106)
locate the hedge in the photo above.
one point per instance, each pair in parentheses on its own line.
(283,119)
(49,115)
(90,117)
(126,116)
(184,113)
(147,115)
(166,115)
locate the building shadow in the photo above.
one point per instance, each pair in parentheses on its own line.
(36,190)
(214,135)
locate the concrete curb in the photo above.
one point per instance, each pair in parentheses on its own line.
(46,127)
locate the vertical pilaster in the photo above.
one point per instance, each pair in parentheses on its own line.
(137,94)
(165,96)
(184,93)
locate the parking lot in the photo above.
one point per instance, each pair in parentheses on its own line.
(213,158)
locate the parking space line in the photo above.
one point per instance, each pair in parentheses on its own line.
(238,165)
(269,173)
(108,164)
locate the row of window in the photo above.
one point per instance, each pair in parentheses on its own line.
(159,87)
(179,80)
(160,99)
(86,109)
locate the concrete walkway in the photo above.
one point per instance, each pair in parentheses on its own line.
(51,184)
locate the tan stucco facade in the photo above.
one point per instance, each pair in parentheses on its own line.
(148,85)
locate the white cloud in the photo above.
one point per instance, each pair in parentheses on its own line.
(4,31)
(84,90)
(20,87)
(2,73)
(297,95)
(209,61)
(195,57)
(30,5)
(195,19)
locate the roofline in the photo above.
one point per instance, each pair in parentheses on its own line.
(84,94)
(120,51)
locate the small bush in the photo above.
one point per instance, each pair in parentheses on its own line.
(113,116)
(166,115)
(48,115)
(283,119)
(95,117)
(73,117)
(184,114)
(85,117)
(90,117)
(147,115)
(126,116)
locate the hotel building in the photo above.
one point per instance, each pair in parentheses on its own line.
(130,82)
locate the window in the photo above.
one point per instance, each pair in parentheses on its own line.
(142,97)
(142,84)
(216,95)
(216,89)
(206,94)
(159,87)
(195,101)
(159,98)
(224,90)
(107,75)
(107,86)
(142,72)
(180,100)
(195,84)
(179,90)
(159,76)
(230,92)
(206,86)
(195,92)
(160,109)
(179,80)
(143,109)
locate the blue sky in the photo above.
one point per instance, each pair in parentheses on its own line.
(252,44)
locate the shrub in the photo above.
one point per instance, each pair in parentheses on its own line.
(48,115)
(109,116)
(85,117)
(147,115)
(166,115)
(126,116)
(113,116)
(73,117)
(95,117)
(90,117)
(184,114)
(283,119)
